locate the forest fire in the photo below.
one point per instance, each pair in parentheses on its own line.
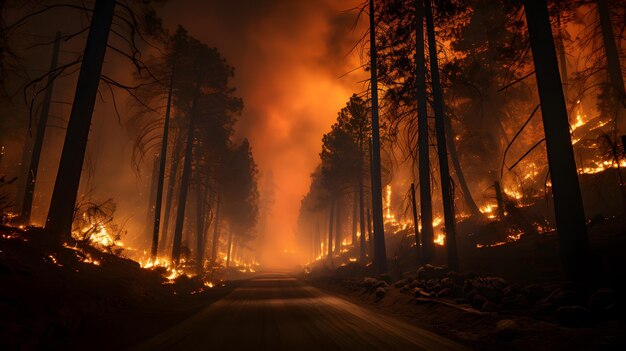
(182,174)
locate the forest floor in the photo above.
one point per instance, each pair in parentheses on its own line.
(509,297)
(59,297)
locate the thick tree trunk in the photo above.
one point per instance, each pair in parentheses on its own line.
(216,231)
(31,175)
(362,248)
(380,254)
(338,223)
(184,187)
(163,161)
(418,244)
(171,189)
(444,171)
(613,62)
(61,212)
(200,221)
(331,223)
(568,206)
(422,137)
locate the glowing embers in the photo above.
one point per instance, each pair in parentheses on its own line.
(53,259)
(512,236)
(601,166)
(489,210)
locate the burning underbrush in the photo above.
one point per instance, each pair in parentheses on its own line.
(61,294)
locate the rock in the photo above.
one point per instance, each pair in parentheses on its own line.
(507,329)
(380,293)
(490,287)
(447,282)
(409,276)
(601,301)
(428,272)
(515,302)
(380,284)
(368,282)
(415,284)
(490,306)
(386,278)
(511,290)
(417,292)
(400,283)
(574,316)
(456,277)
(445,292)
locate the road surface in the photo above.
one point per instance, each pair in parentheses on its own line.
(278,312)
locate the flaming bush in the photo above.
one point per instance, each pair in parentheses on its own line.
(93,224)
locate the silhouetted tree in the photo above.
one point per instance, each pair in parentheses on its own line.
(568,207)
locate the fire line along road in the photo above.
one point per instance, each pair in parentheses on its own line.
(278,312)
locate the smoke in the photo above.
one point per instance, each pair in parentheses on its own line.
(288,57)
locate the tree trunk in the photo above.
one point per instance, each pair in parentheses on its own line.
(418,244)
(216,231)
(61,212)
(454,157)
(613,62)
(447,195)
(171,188)
(31,175)
(230,248)
(560,49)
(355,208)
(338,223)
(331,223)
(317,239)
(200,220)
(162,163)
(362,251)
(499,200)
(154,180)
(422,137)
(184,186)
(369,232)
(568,206)
(380,254)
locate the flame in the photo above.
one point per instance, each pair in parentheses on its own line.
(489,210)
(601,167)
(579,117)
(440,239)
(511,237)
